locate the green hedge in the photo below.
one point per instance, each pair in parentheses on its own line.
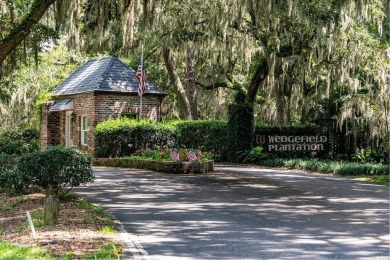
(208,135)
(122,137)
(240,127)
(19,142)
(11,180)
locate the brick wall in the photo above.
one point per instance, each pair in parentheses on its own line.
(112,105)
(50,126)
(97,107)
(159,166)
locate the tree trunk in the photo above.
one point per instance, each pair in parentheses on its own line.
(51,206)
(280,105)
(184,105)
(22,30)
(190,74)
(260,75)
(128,24)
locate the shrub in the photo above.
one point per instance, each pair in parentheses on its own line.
(11,179)
(57,166)
(165,155)
(337,167)
(19,142)
(240,126)
(255,155)
(207,135)
(122,137)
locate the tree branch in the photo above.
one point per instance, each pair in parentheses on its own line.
(22,30)
(218,85)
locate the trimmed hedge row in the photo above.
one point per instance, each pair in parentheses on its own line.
(122,137)
(208,135)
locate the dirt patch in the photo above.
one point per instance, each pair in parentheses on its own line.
(78,232)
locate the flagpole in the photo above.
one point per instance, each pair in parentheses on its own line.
(141,80)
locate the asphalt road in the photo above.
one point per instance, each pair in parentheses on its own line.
(245,213)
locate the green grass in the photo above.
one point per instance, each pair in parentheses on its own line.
(13,252)
(6,207)
(100,216)
(378,179)
(72,196)
(108,252)
(107,230)
(38,221)
(68,256)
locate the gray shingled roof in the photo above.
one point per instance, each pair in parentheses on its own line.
(107,74)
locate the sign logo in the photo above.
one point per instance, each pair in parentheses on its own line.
(260,139)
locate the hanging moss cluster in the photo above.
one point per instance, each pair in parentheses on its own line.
(240,126)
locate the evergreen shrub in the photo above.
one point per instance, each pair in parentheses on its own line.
(11,179)
(122,137)
(19,142)
(208,135)
(240,127)
(58,166)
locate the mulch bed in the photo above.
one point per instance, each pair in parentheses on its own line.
(77,231)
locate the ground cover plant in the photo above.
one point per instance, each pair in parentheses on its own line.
(368,171)
(84,231)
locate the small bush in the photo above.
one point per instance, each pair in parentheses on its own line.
(19,142)
(255,155)
(58,166)
(11,179)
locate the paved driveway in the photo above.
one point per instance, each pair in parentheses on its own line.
(245,213)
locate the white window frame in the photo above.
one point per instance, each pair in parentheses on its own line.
(84,130)
(68,128)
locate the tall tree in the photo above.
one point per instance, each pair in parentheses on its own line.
(23,29)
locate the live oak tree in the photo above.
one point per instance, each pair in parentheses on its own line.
(292,57)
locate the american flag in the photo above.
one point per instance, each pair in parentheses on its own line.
(175,155)
(200,154)
(191,156)
(142,80)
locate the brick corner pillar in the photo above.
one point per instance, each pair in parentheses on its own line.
(45,131)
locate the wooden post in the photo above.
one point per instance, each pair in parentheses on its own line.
(51,206)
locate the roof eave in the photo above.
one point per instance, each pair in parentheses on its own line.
(109,91)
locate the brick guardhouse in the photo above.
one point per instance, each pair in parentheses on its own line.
(99,90)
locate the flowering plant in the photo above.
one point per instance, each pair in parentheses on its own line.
(165,154)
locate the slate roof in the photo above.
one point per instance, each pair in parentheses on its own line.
(107,74)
